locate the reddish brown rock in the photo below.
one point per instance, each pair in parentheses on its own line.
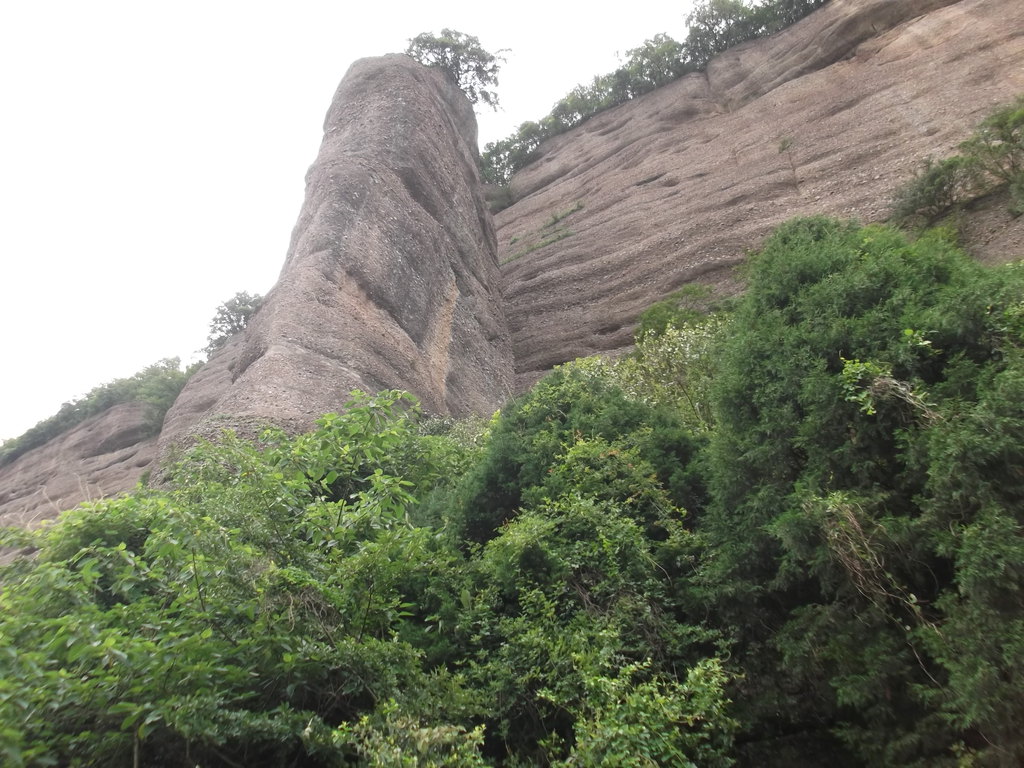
(391,280)
(827,117)
(101,457)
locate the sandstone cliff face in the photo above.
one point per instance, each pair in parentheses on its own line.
(828,117)
(391,280)
(101,457)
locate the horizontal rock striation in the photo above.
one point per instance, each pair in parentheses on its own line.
(829,116)
(392,276)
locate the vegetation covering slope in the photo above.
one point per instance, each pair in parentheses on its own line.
(992,159)
(155,385)
(785,534)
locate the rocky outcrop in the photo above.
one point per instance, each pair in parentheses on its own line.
(392,277)
(391,280)
(103,456)
(828,117)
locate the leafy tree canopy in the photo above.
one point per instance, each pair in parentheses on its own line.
(991,159)
(463,61)
(231,317)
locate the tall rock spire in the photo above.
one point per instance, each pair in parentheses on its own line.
(391,280)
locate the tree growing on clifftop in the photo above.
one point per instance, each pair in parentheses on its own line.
(463,61)
(232,316)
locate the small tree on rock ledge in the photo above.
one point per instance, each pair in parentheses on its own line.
(463,61)
(231,317)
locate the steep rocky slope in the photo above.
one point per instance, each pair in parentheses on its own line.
(102,456)
(828,116)
(391,281)
(392,276)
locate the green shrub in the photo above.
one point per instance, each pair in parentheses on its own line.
(282,602)
(998,143)
(856,506)
(636,724)
(936,190)
(534,431)
(992,158)
(570,596)
(238,617)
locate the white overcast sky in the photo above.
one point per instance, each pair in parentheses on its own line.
(152,155)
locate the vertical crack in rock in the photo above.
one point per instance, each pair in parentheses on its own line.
(437,351)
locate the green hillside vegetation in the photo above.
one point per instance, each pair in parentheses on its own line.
(991,160)
(713,26)
(155,385)
(788,533)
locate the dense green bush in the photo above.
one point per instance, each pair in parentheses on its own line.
(278,603)
(828,568)
(238,618)
(534,431)
(991,159)
(847,508)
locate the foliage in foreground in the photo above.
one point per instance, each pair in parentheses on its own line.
(825,567)
(284,604)
(867,480)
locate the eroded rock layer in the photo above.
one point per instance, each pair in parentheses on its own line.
(827,117)
(391,280)
(103,456)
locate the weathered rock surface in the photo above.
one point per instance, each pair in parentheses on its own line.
(391,280)
(103,456)
(828,117)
